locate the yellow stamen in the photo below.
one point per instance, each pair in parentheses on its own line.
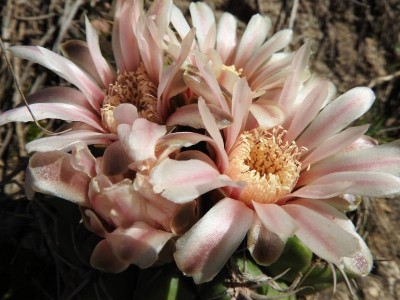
(232,69)
(269,166)
(131,87)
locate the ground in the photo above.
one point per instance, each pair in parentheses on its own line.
(355,43)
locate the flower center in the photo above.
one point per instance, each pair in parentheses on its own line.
(269,167)
(131,87)
(232,69)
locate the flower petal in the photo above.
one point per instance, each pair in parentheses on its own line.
(207,246)
(103,68)
(275,219)
(323,236)
(383,158)
(140,139)
(204,21)
(292,84)
(337,115)
(139,244)
(67,140)
(78,52)
(335,144)
(62,111)
(125,113)
(124,41)
(241,101)
(275,43)
(179,22)
(254,35)
(372,184)
(115,160)
(190,179)
(307,111)
(362,262)
(189,115)
(104,259)
(264,245)
(52,173)
(226,36)
(267,114)
(60,94)
(212,129)
(171,81)
(63,68)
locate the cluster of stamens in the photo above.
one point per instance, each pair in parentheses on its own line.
(133,87)
(268,165)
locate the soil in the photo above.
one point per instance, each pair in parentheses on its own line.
(355,43)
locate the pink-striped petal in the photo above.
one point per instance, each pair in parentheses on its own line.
(207,246)
(308,110)
(208,75)
(372,184)
(336,116)
(63,68)
(177,140)
(276,219)
(256,31)
(151,52)
(383,158)
(65,141)
(60,94)
(292,84)
(184,181)
(322,235)
(62,111)
(212,129)
(226,37)
(139,244)
(78,52)
(323,190)
(277,42)
(124,40)
(335,144)
(362,262)
(241,101)
(204,21)
(103,68)
(171,79)
(270,74)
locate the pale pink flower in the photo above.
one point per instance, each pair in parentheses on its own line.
(297,177)
(116,196)
(253,56)
(141,78)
